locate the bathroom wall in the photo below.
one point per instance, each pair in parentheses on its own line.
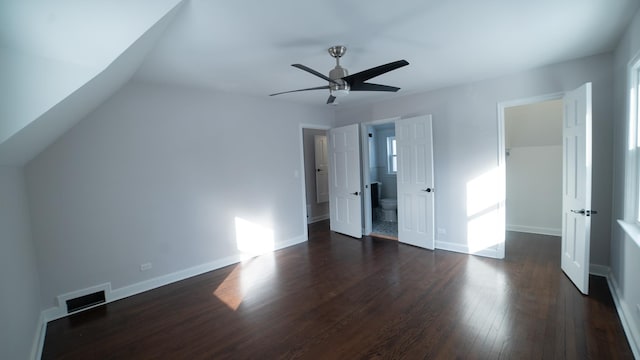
(373,158)
(389,182)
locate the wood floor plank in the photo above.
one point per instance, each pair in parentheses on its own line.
(336,297)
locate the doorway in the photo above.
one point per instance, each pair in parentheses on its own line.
(382,168)
(403,164)
(575,185)
(315,174)
(533,167)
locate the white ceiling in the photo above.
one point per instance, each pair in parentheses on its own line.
(248,46)
(85,33)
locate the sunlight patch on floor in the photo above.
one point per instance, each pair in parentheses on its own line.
(229,291)
(252,240)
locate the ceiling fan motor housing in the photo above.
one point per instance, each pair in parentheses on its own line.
(342,87)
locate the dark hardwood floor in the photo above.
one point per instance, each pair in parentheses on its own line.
(340,298)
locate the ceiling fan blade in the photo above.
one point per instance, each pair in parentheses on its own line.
(373,87)
(313,88)
(311,71)
(331,99)
(365,75)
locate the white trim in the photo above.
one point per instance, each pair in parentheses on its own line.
(315,219)
(502,159)
(599,270)
(534,230)
(464,249)
(632,230)
(58,312)
(626,317)
(367,223)
(38,339)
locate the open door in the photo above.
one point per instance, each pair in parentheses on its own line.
(414,141)
(576,187)
(322,168)
(345,208)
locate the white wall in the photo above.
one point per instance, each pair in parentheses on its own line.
(315,210)
(159,174)
(533,137)
(389,181)
(466,145)
(20,294)
(625,254)
(534,189)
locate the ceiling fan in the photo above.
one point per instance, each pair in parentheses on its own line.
(340,82)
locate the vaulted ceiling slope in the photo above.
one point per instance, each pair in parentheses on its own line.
(248,46)
(61,59)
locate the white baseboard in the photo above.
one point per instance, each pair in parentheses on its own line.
(59,311)
(315,219)
(38,338)
(626,317)
(464,249)
(599,270)
(535,230)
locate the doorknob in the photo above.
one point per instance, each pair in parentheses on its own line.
(355,193)
(584,212)
(428,189)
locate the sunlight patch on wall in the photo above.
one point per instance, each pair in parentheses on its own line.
(253,239)
(485,226)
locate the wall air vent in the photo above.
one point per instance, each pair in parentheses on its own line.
(85,301)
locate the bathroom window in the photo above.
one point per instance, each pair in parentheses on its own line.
(392,155)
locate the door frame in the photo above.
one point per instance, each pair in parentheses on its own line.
(305,229)
(366,178)
(502,158)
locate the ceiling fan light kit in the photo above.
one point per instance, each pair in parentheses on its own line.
(340,82)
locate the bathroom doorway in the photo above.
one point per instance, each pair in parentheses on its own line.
(314,143)
(382,167)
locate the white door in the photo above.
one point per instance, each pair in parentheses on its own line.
(414,142)
(322,168)
(576,187)
(345,209)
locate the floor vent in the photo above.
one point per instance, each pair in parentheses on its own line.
(85,301)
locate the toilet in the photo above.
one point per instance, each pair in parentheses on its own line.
(389,209)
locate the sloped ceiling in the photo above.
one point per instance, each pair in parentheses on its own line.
(61,59)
